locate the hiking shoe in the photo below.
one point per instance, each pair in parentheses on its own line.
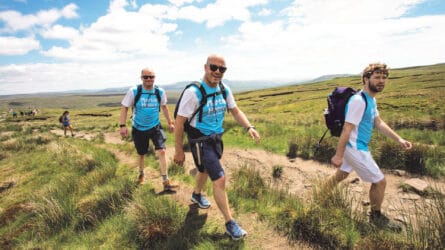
(234,230)
(200,200)
(141,179)
(169,186)
(381,221)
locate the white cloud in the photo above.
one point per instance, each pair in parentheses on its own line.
(15,21)
(265,12)
(216,14)
(326,37)
(10,45)
(60,32)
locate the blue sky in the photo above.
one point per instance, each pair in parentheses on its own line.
(57,45)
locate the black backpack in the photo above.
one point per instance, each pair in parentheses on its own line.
(139,93)
(202,103)
(61,119)
(334,114)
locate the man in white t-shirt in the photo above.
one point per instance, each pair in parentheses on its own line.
(204,131)
(150,100)
(352,150)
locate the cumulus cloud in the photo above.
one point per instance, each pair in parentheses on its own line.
(60,32)
(10,45)
(325,37)
(14,21)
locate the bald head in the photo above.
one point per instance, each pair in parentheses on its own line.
(215,57)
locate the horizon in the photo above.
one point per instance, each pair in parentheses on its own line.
(59,46)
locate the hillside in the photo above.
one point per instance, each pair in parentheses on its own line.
(80,192)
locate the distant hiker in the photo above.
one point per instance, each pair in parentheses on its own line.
(66,121)
(352,150)
(204,133)
(147,100)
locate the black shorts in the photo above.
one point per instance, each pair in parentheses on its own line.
(141,139)
(207,152)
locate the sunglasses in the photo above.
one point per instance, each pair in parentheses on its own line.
(214,68)
(146,77)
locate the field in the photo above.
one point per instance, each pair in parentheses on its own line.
(63,192)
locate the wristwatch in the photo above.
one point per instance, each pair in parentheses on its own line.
(122,125)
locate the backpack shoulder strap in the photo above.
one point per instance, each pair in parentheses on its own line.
(366,101)
(197,85)
(138,95)
(158,96)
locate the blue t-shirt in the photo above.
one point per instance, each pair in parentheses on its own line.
(213,112)
(146,111)
(363,120)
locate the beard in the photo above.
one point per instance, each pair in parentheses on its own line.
(375,89)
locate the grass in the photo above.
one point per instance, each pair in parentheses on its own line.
(70,193)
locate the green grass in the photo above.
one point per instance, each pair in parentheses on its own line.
(74,194)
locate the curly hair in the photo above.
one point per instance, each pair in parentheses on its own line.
(374,67)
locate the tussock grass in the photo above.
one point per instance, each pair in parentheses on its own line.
(334,219)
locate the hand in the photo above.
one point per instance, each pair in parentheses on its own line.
(405,144)
(254,135)
(337,161)
(124,132)
(171,127)
(179,158)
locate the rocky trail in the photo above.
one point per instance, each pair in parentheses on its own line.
(298,177)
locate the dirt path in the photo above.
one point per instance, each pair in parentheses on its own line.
(298,177)
(267,239)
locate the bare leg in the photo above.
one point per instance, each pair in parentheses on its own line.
(162,161)
(220,195)
(334,180)
(141,162)
(376,194)
(201,179)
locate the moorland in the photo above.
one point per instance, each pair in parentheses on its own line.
(80,192)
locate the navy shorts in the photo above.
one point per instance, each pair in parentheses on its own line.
(207,153)
(141,139)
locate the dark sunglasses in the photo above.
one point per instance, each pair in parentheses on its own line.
(214,67)
(146,77)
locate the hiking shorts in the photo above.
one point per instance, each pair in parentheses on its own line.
(141,139)
(207,154)
(363,164)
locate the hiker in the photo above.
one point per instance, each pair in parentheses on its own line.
(205,137)
(147,100)
(352,152)
(67,123)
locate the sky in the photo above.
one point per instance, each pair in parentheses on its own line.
(58,45)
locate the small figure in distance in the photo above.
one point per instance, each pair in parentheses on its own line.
(66,121)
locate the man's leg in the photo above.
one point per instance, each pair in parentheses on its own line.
(141,177)
(201,179)
(162,161)
(376,194)
(336,178)
(220,195)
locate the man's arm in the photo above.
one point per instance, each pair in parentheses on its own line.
(242,120)
(337,159)
(165,111)
(179,157)
(123,120)
(386,130)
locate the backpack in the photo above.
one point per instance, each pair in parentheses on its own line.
(61,119)
(202,103)
(139,93)
(334,114)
